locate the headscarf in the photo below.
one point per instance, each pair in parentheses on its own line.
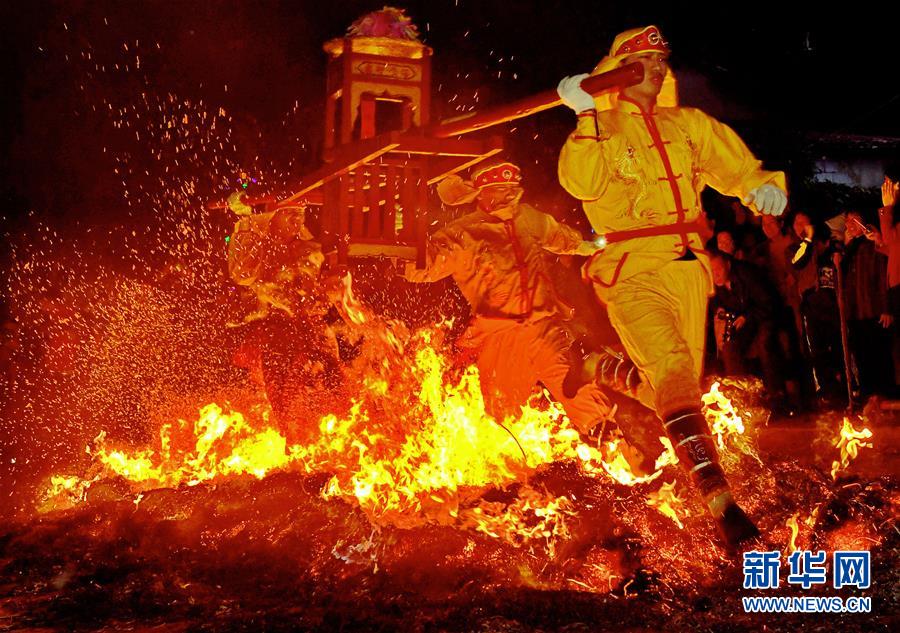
(639,40)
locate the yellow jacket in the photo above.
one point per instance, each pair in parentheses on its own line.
(633,170)
(499,261)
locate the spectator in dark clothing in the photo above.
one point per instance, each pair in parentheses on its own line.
(866,306)
(812,259)
(772,257)
(745,230)
(746,307)
(725,243)
(890,234)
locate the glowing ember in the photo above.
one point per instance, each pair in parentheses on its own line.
(849,441)
(533,516)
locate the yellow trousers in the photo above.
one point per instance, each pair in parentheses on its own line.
(513,357)
(660,316)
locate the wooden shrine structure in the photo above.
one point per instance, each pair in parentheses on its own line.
(382,153)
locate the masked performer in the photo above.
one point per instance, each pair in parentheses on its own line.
(499,255)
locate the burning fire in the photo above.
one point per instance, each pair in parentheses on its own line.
(667,501)
(849,441)
(794,525)
(414,445)
(533,516)
(726,424)
(223,444)
(399,471)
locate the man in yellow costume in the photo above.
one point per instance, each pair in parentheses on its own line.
(499,256)
(638,163)
(289,347)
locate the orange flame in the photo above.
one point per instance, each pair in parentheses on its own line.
(413,443)
(849,441)
(64,491)
(667,502)
(795,530)
(446,442)
(726,423)
(224,444)
(533,516)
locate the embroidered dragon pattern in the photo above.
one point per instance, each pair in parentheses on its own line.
(628,171)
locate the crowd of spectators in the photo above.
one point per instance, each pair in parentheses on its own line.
(808,303)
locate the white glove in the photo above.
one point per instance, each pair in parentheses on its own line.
(571,93)
(768,199)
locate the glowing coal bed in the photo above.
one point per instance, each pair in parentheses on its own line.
(410,508)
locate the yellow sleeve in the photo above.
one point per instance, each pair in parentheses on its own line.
(582,165)
(557,237)
(727,163)
(440,261)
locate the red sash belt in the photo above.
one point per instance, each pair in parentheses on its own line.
(678,228)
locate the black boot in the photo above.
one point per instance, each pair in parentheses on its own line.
(735,526)
(606,367)
(696,451)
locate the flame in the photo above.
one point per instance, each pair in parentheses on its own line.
(726,423)
(795,530)
(531,516)
(611,459)
(412,446)
(668,456)
(64,491)
(399,458)
(352,307)
(451,443)
(849,441)
(666,500)
(223,444)
(619,469)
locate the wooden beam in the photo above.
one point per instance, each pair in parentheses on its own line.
(418,144)
(346,159)
(349,157)
(375,249)
(625,76)
(441,168)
